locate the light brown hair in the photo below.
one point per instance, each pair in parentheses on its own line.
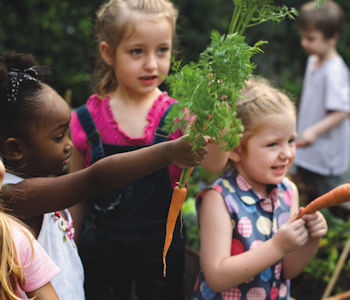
(258,101)
(11,270)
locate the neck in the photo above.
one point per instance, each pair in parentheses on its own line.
(131,98)
(328,55)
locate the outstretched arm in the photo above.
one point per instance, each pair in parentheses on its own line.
(35,196)
(79,210)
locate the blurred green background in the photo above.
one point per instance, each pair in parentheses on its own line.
(60,33)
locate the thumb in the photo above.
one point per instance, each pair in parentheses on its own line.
(293,216)
(209,140)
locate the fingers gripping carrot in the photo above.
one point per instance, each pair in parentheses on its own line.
(338,195)
(178,198)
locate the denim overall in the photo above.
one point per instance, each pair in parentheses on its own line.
(124,231)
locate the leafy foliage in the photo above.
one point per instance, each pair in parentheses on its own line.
(209,89)
(254,12)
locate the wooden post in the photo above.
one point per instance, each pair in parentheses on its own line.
(337,270)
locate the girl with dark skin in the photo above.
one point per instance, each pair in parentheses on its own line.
(35,147)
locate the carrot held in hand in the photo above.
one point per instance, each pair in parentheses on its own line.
(177,201)
(338,195)
(178,198)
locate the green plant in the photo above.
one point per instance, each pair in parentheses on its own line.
(208,90)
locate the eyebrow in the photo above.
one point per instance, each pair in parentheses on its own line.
(62,126)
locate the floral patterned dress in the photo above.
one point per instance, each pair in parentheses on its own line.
(255,220)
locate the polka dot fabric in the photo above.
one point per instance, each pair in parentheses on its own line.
(255,220)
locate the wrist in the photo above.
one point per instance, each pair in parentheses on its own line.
(278,246)
(168,152)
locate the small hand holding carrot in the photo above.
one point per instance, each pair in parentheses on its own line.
(338,195)
(182,154)
(292,235)
(316,224)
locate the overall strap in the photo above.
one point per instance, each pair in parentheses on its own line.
(93,136)
(160,135)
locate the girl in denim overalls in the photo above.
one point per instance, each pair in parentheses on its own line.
(123,232)
(251,240)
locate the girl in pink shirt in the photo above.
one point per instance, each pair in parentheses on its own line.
(123,232)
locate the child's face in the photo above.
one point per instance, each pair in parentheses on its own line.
(142,58)
(49,149)
(269,154)
(314,42)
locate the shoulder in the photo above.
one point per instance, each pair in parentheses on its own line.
(39,267)
(290,192)
(94,104)
(161,104)
(336,69)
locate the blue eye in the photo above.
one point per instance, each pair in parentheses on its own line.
(164,50)
(136,51)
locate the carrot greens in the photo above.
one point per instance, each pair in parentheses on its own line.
(208,89)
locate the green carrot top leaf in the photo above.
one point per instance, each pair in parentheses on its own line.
(248,13)
(208,89)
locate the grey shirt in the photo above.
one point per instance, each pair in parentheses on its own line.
(325,89)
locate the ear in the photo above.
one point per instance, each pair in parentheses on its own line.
(235,154)
(105,50)
(13,149)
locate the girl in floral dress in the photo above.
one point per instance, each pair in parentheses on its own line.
(251,240)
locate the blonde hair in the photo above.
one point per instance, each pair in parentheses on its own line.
(11,270)
(329,18)
(113,20)
(258,101)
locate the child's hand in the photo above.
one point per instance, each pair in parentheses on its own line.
(292,235)
(307,138)
(182,154)
(316,224)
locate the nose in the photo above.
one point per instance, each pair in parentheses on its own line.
(287,152)
(151,62)
(68,145)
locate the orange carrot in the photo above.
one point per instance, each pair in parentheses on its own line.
(177,200)
(338,195)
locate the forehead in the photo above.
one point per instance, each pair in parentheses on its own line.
(54,109)
(144,27)
(277,124)
(311,32)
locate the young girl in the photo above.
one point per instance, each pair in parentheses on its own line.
(125,232)
(34,125)
(251,240)
(26,270)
